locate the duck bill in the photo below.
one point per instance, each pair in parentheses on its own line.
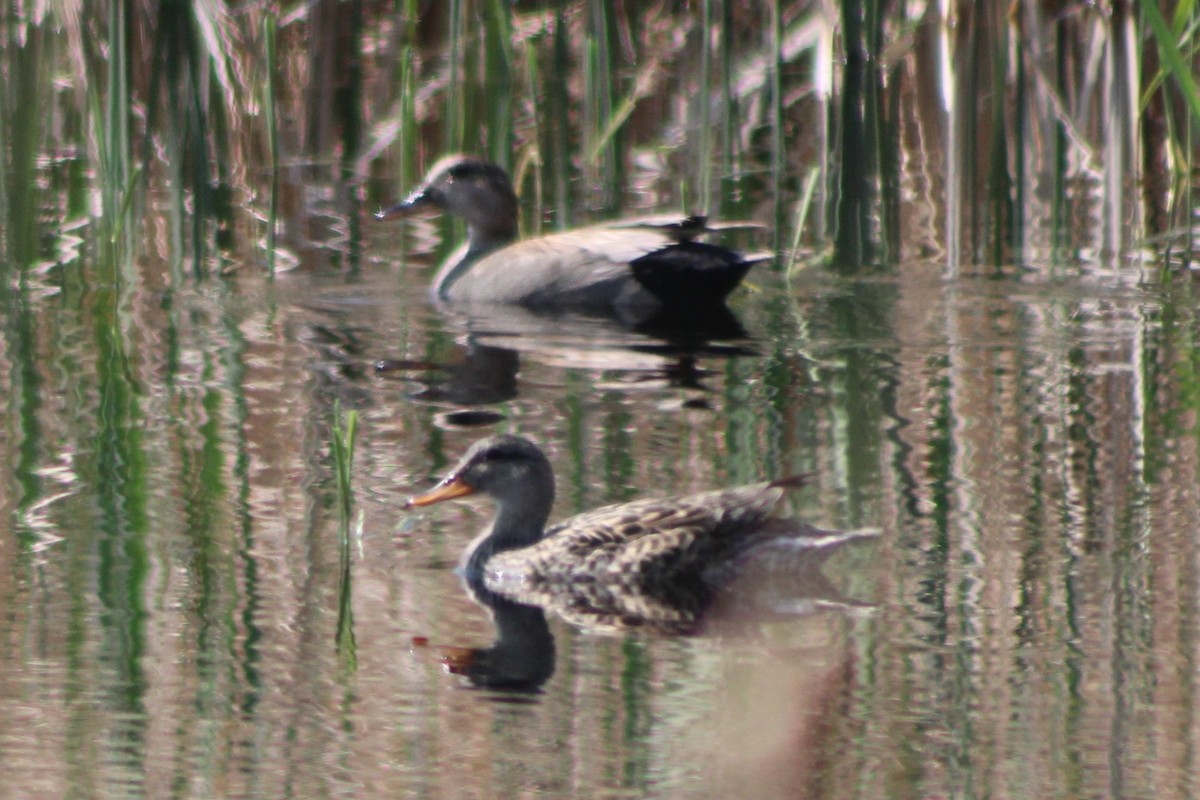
(446,490)
(414,202)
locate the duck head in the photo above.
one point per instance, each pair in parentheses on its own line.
(515,473)
(478,191)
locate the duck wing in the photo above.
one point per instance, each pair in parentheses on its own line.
(662,259)
(622,264)
(584,267)
(653,540)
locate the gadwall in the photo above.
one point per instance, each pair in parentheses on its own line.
(667,549)
(647,263)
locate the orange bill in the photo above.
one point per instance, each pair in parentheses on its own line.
(447,490)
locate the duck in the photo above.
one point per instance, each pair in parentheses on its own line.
(663,552)
(640,264)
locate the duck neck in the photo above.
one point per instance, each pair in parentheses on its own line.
(485,236)
(520,522)
(481,241)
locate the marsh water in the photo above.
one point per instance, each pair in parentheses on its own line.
(1024,625)
(186,612)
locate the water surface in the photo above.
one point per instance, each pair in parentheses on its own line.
(979,340)
(172,580)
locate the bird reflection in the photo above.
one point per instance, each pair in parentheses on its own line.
(778,579)
(521,659)
(663,351)
(666,349)
(484,375)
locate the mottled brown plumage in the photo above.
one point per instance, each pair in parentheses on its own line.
(650,554)
(652,540)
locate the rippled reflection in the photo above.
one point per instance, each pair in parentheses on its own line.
(173,579)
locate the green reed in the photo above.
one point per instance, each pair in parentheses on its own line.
(702,199)
(349,101)
(270,26)
(498,79)
(27,69)
(400,69)
(7,130)
(1177,45)
(601,133)
(558,106)
(1001,179)
(455,96)
(852,204)
(588,111)
(1167,37)
(177,111)
(774,25)
(793,263)
(342,446)
(407,87)
(530,158)
(116,154)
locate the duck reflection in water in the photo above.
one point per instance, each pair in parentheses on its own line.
(487,374)
(653,564)
(521,659)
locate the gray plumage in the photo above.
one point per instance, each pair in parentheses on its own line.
(628,264)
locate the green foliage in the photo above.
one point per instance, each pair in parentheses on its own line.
(344,431)
(1166,38)
(277,116)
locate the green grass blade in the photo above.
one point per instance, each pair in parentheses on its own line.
(1174,60)
(344,432)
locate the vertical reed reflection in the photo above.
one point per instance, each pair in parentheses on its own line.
(116,470)
(24,390)
(27,69)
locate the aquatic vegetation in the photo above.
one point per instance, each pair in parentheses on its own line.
(342,445)
(265,132)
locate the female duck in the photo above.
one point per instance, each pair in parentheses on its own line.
(657,542)
(644,264)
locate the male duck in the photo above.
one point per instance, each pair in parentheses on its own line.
(636,264)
